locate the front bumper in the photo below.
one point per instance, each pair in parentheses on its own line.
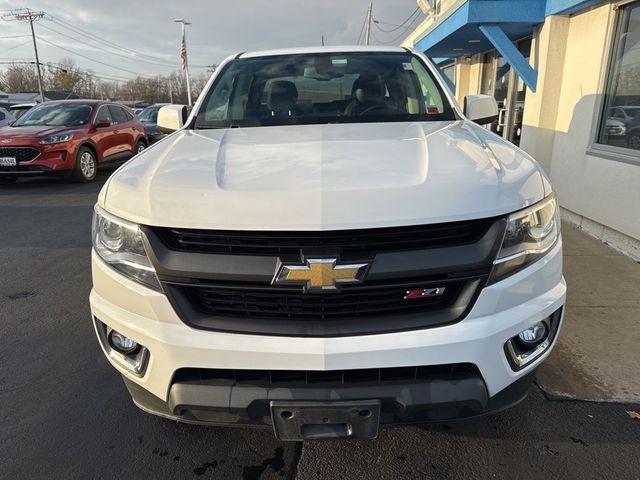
(53,159)
(501,311)
(435,400)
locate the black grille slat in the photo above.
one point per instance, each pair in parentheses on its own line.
(21,154)
(350,302)
(365,242)
(302,378)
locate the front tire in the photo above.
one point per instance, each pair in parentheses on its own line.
(140,146)
(86,166)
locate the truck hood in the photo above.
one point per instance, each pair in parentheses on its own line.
(324,177)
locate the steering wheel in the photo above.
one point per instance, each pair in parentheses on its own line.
(373,108)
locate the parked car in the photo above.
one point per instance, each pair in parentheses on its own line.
(624,122)
(20,109)
(149,118)
(6,117)
(328,245)
(70,136)
(615,128)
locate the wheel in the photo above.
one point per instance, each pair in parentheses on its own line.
(634,141)
(86,165)
(8,180)
(140,146)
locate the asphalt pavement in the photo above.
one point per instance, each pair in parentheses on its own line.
(64,412)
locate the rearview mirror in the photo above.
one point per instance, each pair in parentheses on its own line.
(102,123)
(172,118)
(481,109)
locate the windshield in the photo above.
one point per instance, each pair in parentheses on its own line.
(18,112)
(149,115)
(323,88)
(55,115)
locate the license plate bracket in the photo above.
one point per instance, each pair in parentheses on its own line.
(297,421)
(7,161)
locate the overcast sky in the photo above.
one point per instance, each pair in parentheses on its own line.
(219,28)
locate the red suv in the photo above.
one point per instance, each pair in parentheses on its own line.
(70,136)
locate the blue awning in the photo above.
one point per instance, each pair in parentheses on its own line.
(459,33)
(480,25)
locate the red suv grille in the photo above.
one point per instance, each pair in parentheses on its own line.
(21,154)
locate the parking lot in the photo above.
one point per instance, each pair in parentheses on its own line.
(65,412)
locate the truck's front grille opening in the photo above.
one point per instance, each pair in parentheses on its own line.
(292,303)
(300,378)
(351,243)
(224,281)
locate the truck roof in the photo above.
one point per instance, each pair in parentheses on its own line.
(332,49)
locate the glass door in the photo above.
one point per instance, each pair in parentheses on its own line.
(501,81)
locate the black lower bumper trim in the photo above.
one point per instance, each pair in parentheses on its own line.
(431,401)
(32,172)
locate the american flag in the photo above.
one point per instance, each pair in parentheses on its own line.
(183,53)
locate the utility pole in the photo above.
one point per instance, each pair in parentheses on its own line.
(369,19)
(183,55)
(30,16)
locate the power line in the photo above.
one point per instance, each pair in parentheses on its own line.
(94,47)
(91,59)
(14,36)
(128,50)
(402,34)
(25,14)
(377,24)
(16,46)
(400,25)
(99,39)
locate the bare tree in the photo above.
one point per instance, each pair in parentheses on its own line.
(67,76)
(19,78)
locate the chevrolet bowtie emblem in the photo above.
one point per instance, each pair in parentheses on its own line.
(320,274)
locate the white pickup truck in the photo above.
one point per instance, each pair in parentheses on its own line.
(328,244)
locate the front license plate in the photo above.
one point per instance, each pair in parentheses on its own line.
(325,420)
(7,161)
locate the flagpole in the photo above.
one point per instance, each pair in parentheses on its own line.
(185,62)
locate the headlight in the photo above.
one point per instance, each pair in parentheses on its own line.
(530,234)
(58,138)
(119,243)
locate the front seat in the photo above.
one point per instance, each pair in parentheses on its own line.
(283,98)
(368,95)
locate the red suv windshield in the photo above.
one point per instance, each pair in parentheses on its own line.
(55,115)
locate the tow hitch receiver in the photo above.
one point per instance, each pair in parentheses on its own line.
(325,420)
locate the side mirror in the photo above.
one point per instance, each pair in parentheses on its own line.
(481,109)
(103,123)
(172,118)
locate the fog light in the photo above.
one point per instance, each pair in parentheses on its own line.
(533,335)
(532,342)
(122,343)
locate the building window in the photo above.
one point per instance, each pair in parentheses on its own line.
(620,119)
(449,71)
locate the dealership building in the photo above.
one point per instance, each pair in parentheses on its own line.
(566,76)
